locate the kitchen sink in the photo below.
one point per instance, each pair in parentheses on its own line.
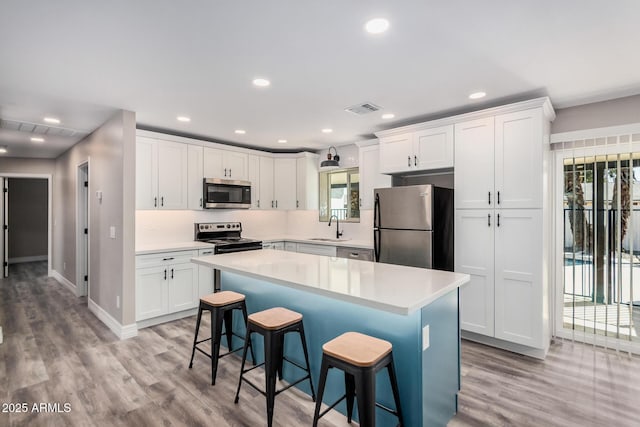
(326,239)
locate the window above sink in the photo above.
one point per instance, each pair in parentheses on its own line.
(340,195)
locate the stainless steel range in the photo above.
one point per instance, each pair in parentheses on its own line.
(226,236)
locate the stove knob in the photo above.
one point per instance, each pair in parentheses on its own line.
(228,225)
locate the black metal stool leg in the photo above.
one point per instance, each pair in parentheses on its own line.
(324,369)
(195,339)
(306,359)
(394,387)
(247,341)
(366,394)
(216,336)
(279,351)
(350,392)
(228,327)
(246,324)
(270,371)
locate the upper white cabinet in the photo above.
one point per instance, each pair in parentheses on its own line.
(225,164)
(253,176)
(161,174)
(266,199)
(370,176)
(417,150)
(195,176)
(284,183)
(499,161)
(307,181)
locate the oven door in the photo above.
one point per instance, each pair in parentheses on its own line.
(226,194)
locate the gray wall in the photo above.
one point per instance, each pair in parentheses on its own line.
(28,219)
(615,112)
(31,166)
(110,151)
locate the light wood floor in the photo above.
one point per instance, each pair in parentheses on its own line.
(56,351)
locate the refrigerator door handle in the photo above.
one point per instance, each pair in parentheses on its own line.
(376,245)
(376,212)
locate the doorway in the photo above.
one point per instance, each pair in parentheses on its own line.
(82,231)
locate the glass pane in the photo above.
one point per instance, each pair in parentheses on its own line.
(340,195)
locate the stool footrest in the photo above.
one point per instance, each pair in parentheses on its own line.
(389,410)
(287,387)
(322,414)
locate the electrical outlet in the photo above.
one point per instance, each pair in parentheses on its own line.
(112,232)
(425,338)
(118,301)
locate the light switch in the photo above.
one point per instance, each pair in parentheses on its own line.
(425,338)
(112,232)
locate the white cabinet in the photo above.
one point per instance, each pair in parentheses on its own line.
(273,245)
(499,161)
(370,176)
(291,246)
(253,176)
(307,182)
(165,283)
(205,276)
(195,177)
(161,174)
(424,149)
(284,183)
(266,199)
(225,164)
(316,249)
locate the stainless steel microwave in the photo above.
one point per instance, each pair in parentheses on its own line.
(226,194)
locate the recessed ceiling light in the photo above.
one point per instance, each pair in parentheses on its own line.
(183,119)
(240,131)
(477,95)
(3,150)
(327,130)
(37,139)
(388,116)
(260,82)
(52,120)
(377,26)
(282,141)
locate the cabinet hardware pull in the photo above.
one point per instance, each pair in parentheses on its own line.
(360,201)
(229,173)
(489,197)
(172,273)
(354,254)
(258,204)
(276,204)
(488,220)
(297,203)
(225,171)
(162,201)
(415,160)
(165,274)
(409,161)
(200,201)
(498,223)
(167,259)
(155,202)
(272,203)
(498,197)
(207,253)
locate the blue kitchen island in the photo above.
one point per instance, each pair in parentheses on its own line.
(415,309)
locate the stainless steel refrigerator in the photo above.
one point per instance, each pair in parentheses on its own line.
(413,226)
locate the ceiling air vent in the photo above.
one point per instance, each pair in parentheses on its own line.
(39,128)
(364,108)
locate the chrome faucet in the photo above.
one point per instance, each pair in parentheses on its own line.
(338,232)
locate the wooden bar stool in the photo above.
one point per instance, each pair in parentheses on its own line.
(221,305)
(360,357)
(273,324)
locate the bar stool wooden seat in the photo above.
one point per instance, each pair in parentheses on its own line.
(360,357)
(221,305)
(273,324)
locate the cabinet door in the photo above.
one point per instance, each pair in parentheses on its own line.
(205,276)
(518,282)
(474,148)
(146,173)
(152,295)
(433,148)
(474,243)
(253,176)
(183,287)
(325,250)
(284,183)
(266,199)
(291,246)
(519,151)
(194,178)
(307,183)
(370,176)
(212,163)
(234,165)
(172,175)
(396,153)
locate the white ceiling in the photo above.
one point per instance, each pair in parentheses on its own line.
(80,61)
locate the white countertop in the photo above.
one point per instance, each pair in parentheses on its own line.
(154,248)
(387,287)
(350,243)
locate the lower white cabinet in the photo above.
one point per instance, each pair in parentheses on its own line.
(205,275)
(165,283)
(291,246)
(273,245)
(316,249)
(502,251)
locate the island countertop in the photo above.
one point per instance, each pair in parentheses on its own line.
(392,288)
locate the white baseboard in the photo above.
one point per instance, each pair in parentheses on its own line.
(167,318)
(122,332)
(505,345)
(63,281)
(36,258)
(1,338)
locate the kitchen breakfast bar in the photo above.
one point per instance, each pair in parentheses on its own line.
(415,309)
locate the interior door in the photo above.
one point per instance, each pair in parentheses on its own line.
(5,226)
